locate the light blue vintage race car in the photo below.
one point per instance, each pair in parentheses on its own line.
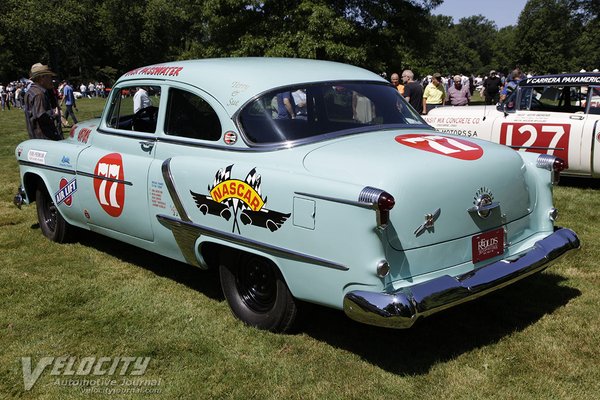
(299,180)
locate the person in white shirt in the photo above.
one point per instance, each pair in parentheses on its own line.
(141,100)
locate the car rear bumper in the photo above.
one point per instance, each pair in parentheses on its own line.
(400,309)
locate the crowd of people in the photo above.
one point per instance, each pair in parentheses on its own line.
(436,90)
(12,95)
(42,98)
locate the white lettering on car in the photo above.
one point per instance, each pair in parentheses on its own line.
(109,171)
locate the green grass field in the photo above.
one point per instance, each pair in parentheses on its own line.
(538,339)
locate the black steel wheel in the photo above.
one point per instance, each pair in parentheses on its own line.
(256,292)
(52,224)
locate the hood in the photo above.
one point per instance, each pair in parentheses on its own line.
(426,171)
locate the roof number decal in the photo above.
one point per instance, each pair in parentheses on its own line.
(452,147)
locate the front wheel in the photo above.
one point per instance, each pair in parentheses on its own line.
(52,224)
(256,292)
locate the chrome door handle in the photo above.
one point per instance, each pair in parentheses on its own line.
(147,146)
(577,117)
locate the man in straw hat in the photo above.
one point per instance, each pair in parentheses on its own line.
(39,113)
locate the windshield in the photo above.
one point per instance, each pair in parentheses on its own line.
(302,112)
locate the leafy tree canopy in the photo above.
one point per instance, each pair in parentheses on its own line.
(101,39)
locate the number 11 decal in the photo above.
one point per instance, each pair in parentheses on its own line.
(447,146)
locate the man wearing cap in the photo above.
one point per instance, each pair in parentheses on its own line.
(491,88)
(39,113)
(458,94)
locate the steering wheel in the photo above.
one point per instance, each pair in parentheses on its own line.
(145,119)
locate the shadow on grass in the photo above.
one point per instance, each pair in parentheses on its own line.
(444,336)
(582,183)
(203,281)
(439,338)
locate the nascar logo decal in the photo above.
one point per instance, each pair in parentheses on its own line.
(446,146)
(109,184)
(239,199)
(65,193)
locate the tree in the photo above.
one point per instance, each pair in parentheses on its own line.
(546,32)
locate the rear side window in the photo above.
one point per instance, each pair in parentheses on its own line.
(190,116)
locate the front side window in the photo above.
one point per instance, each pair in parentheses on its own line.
(302,112)
(190,116)
(564,99)
(134,108)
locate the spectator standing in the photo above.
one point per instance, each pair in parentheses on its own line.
(491,88)
(511,83)
(434,94)
(413,91)
(299,97)
(83,90)
(69,100)
(4,98)
(18,97)
(91,89)
(285,106)
(459,94)
(40,115)
(101,89)
(141,100)
(395,79)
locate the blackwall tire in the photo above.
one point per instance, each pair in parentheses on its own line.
(256,292)
(52,224)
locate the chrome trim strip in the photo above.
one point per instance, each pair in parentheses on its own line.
(336,200)
(186,233)
(74,172)
(486,207)
(536,147)
(402,307)
(48,167)
(148,137)
(168,177)
(104,178)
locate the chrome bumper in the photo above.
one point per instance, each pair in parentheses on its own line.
(400,309)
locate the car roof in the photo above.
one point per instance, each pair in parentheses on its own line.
(580,79)
(233,81)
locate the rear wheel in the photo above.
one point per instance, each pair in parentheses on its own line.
(256,292)
(52,224)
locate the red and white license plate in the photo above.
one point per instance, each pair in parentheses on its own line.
(487,245)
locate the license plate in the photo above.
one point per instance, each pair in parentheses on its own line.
(487,245)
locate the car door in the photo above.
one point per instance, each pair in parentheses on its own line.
(115,167)
(592,127)
(548,120)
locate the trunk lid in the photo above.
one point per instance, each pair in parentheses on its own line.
(426,171)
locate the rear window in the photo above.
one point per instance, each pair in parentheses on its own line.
(303,112)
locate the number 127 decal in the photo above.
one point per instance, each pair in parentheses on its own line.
(550,139)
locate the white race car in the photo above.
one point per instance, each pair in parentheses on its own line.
(553,114)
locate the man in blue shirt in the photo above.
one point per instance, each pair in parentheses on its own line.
(285,106)
(69,100)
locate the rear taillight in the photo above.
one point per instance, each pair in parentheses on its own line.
(552,163)
(380,200)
